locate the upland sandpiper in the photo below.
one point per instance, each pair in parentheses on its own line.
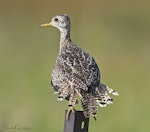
(77,73)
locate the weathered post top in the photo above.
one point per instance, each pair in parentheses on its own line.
(76,122)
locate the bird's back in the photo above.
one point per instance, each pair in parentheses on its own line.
(76,67)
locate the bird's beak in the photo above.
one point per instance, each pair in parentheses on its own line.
(46,24)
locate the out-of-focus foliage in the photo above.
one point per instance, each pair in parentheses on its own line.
(116,33)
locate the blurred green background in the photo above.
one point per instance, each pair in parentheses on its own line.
(115,32)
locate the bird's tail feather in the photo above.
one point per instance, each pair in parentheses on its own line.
(103,93)
(100,96)
(89,104)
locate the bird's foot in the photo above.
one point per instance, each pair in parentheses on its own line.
(69,111)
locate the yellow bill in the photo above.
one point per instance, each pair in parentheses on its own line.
(46,24)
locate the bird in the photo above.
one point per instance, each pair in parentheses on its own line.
(76,73)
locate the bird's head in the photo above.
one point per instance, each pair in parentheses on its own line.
(60,21)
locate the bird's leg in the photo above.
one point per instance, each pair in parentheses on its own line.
(69,111)
(72,102)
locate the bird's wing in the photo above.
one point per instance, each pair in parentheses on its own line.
(56,88)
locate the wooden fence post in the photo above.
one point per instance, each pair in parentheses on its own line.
(76,122)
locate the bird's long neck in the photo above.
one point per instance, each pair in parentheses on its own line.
(64,38)
(64,35)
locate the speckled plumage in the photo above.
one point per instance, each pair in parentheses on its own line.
(76,73)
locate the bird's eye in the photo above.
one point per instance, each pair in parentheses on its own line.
(56,19)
